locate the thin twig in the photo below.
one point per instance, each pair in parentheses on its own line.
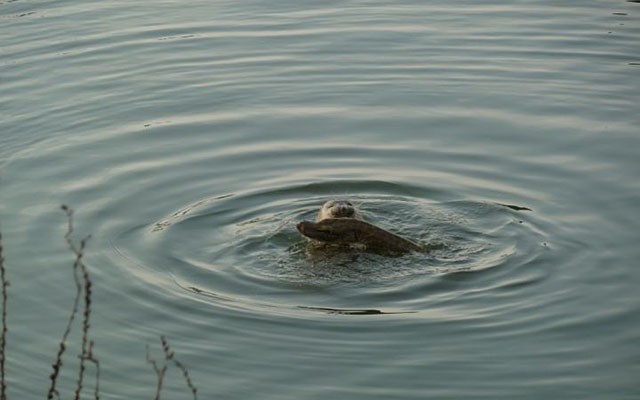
(169,355)
(159,373)
(96,362)
(3,336)
(78,268)
(57,365)
(187,378)
(85,322)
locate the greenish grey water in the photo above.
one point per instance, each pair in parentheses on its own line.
(190,138)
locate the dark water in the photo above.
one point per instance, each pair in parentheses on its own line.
(190,138)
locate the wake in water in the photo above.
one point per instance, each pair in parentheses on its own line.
(244,249)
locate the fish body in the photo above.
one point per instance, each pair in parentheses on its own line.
(352,231)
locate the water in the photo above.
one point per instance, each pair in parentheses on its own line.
(189,139)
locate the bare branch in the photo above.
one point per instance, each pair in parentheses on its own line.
(3,336)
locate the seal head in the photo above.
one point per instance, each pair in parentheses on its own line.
(337,209)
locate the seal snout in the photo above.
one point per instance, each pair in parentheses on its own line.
(343,209)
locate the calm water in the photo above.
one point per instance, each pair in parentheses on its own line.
(191,137)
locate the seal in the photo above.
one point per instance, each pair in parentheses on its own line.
(339,223)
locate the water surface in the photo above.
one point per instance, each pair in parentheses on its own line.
(190,139)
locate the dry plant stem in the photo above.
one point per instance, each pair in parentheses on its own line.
(95,362)
(3,337)
(159,373)
(169,355)
(85,322)
(187,378)
(78,268)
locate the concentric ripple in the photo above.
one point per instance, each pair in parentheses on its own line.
(243,248)
(191,139)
